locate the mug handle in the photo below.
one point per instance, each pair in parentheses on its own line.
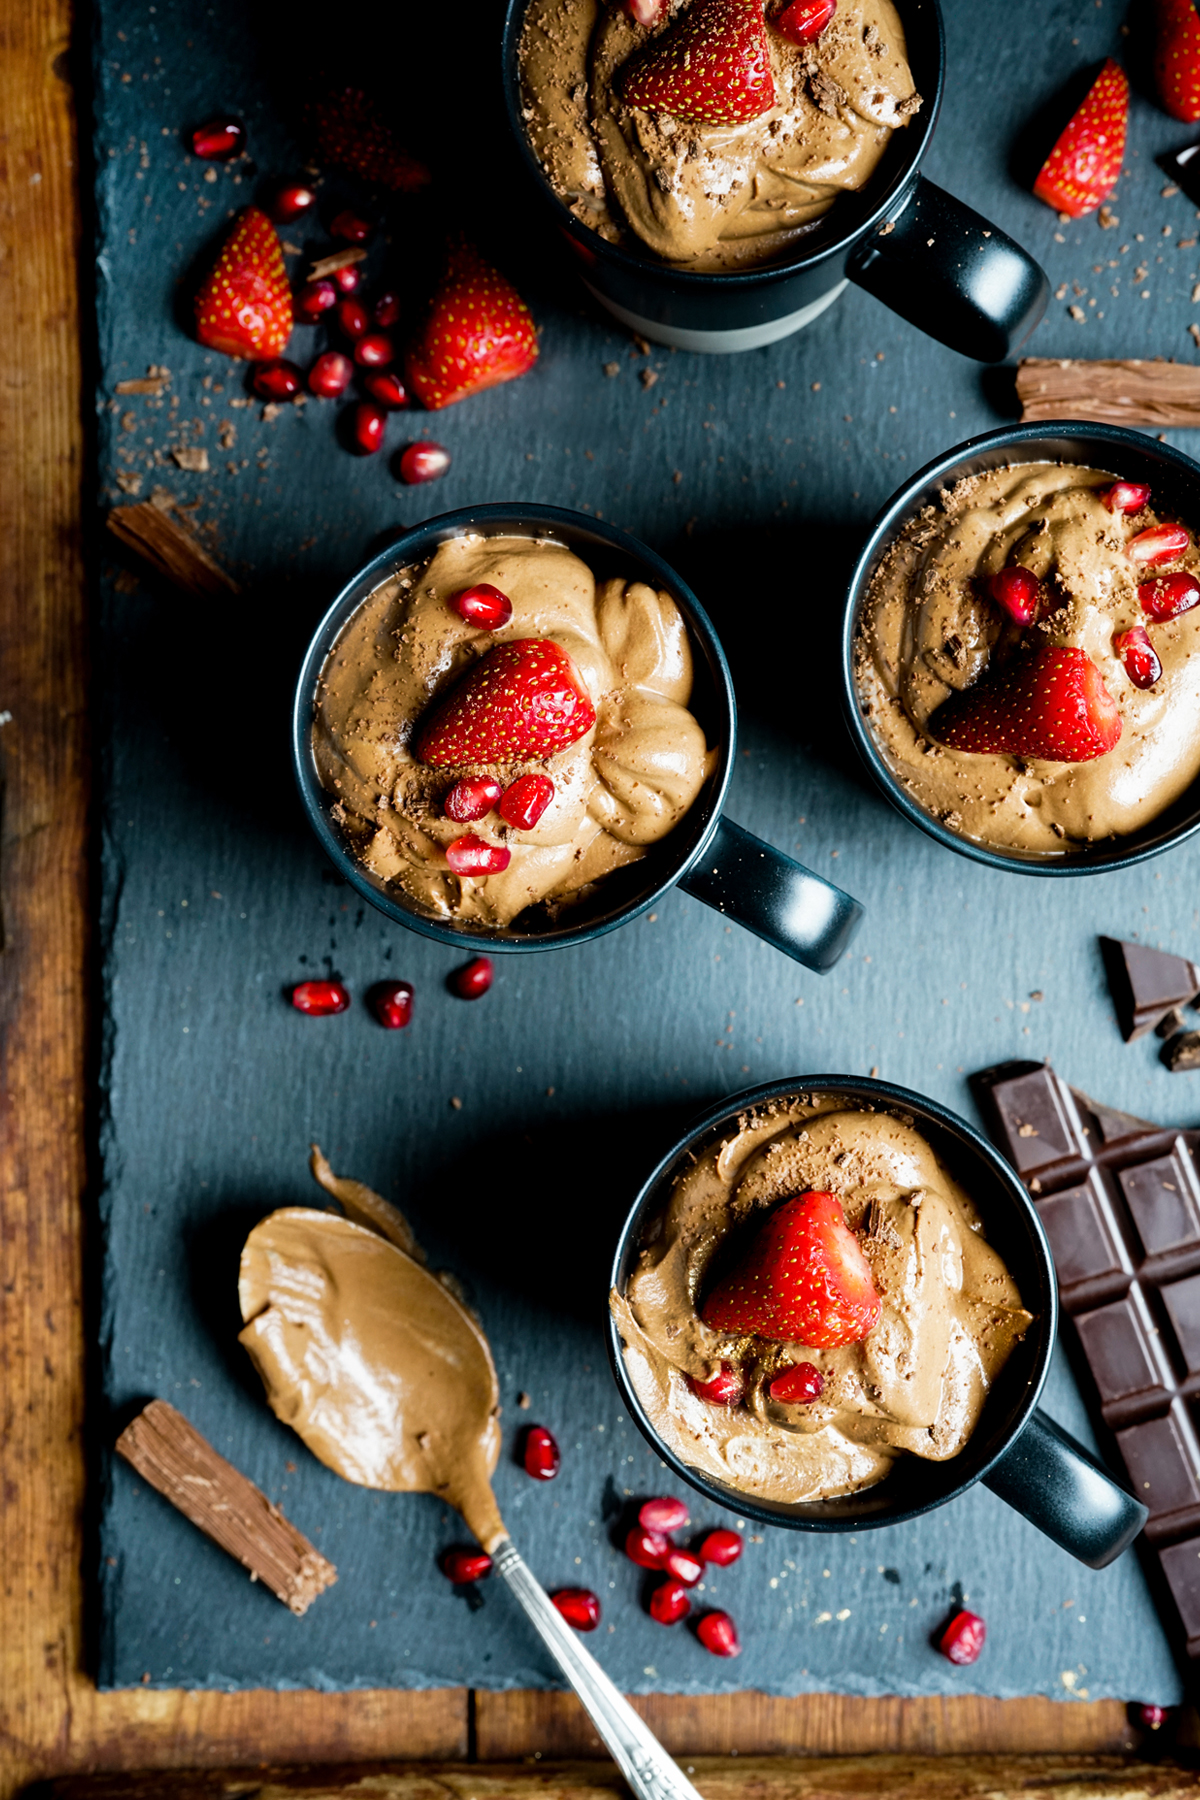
(759,887)
(953,274)
(1065,1492)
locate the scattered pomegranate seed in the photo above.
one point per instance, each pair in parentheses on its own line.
(721,1547)
(277,379)
(220,139)
(1126,496)
(392,1004)
(352,227)
(387,388)
(471,798)
(718,1633)
(482,605)
(645,12)
(540,1454)
(669,1603)
(804,20)
(665,1514)
(375,350)
(466,1565)
(646,1547)
(683,1565)
(423,462)
(526,800)
(579,1607)
(315,298)
(473,979)
(386,311)
(290,202)
(1018,591)
(963,1638)
(1149,1717)
(353,318)
(725,1389)
(797,1385)
(1169,595)
(1139,656)
(347,280)
(1159,544)
(370,423)
(330,375)
(317,998)
(470,855)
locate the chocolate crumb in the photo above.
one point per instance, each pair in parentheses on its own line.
(1182,1053)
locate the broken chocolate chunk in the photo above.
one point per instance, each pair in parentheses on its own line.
(1182,1053)
(1183,166)
(1146,984)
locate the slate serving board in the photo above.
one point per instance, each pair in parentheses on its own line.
(581,1066)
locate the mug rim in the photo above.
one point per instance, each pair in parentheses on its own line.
(952,465)
(739,280)
(650,1194)
(521,518)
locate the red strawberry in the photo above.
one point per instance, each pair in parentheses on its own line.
(524,698)
(352,133)
(477,333)
(1083,166)
(245,306)
(1177,58)
(803,1279)
(1053,705)
(712,66)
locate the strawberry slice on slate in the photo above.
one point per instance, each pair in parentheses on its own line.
(524,698)
(352,133)
(803,1279)
(245,306)
(1083,167)
(477,333)
(1053,705)
(712,66)
(1177,58)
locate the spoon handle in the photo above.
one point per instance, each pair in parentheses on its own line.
(643,1762)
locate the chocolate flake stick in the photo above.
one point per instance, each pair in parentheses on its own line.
(1114,393)
(184,1467)
(170,549)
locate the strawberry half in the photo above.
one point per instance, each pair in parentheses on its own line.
(1083,167)
(1177,58)
(524,698)
(352,133)
(245,306)
(712,66)
(803,1280)
(477,333)
(1053,705)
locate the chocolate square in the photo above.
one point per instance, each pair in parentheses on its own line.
(1090,1257)
(1039,1119)
(1146,984)
(1182,1301)
(1127,1359)
(1163,1196)
(1181,1566)
(1163,1460)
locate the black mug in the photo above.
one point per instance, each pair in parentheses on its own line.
(1015,1450)
(708,856)
(936,262)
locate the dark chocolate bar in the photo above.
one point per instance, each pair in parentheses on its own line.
(1120,1200)
(1147,984)
(1183,167)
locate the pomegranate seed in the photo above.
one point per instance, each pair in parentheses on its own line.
(386,311)
(330,375)
(352,227)
(645,12)
(1150,1718)
(804,20)
(290,202)
(347,280)
(316,298)
(471,856)
(466,1565)
(369,425)
(718,1633)
(797,1385)
(721,1547)
(540,1454)
(646,1547)
(1139,656)
(392,1003)
(724,1389)
(317,998)
(1018,591)
(423,462)
(526,800)
(277,379)
(963,1638)
(1126,496)
(579,1607)
(1169,595)
(669,1603)
(683,1566)
(375,350)
(387,388)
(471,798)
(219,140)
(353,317)
(667,1514)
(483,605)
(473,979)
(1159,544)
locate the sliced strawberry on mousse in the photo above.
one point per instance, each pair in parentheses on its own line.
(803,1279)
(712,66)
(1052,704)
(477,333)
(1083,167)
(522,699)
(245,306)
(1177,58)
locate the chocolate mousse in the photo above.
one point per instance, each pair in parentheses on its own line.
(1028,659)
(499,730)
(743,138)
(909,1315)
